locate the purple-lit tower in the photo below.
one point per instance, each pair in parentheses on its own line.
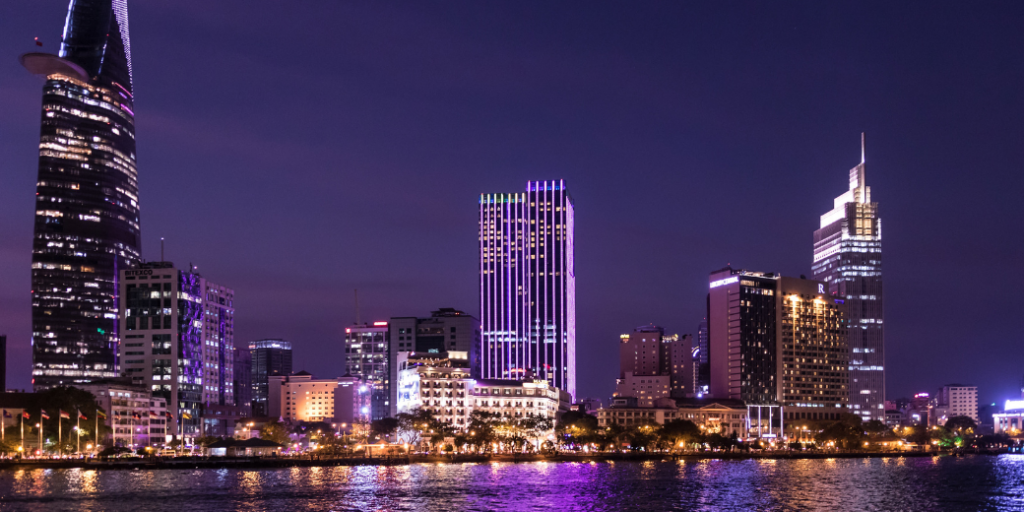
(528,285)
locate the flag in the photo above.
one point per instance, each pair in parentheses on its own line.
(43,415)
(7,414)
(153,414)
(64,414)
(168,413)
(135,415)
(186,416)
(24,414)
(101,414)
(81,416)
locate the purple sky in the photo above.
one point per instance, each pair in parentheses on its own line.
(295,153)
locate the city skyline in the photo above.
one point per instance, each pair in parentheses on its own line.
(667,189)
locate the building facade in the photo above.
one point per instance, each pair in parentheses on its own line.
(960,399)
(653,365)
(300,397)
(701,361)
(268,358)
(136,418)
(436,382)
(445,330)
(367,354)
(177,340)
(528,285)
(87,209)
(778,341)
(242,383)
(713,416)
(848,257)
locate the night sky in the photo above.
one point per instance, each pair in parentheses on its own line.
(296,151)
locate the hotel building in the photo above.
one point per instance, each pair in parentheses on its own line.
(848,257)
(778,341)
(528,285)
(86,202)
(445,330)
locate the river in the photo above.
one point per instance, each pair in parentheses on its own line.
(971,483)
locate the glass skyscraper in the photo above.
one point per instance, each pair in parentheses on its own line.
(528,285)
(87,210)
(848,256)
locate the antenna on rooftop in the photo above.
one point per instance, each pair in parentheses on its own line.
(162,249)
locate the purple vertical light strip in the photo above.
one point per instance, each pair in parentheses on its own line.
(483,313)
(117,319)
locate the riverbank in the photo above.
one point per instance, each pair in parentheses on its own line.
(288,462)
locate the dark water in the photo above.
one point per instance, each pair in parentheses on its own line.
(973,483)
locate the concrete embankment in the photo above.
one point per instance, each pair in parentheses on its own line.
(284,462)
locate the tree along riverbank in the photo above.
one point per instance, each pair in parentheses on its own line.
(289,462)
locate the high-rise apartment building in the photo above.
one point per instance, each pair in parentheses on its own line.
(178,339)
(87,196)
(778,341)
(367,354)
(445,330)
(528,285)
(268,358)
(848,256)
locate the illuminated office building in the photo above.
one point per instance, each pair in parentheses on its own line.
(87,210)
(528,285)
(848,256)
(178,340)
(268,358)
(780,342)
(367,356)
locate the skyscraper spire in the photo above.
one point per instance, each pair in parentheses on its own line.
(862,147)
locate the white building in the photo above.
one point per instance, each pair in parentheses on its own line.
(961,400)
(135,417)
(437,382)
(441,384)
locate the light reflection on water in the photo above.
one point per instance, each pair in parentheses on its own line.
(943,483)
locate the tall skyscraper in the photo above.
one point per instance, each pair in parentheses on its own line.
(848,256)
(367,355)
(178,332)
(778,341)
(528,285)
(269,358)
(87,209)
(445,330)
(243,380)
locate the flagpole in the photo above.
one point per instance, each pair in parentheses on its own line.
(41,433)
(60,424)
(79,430)
(96,434)
(3,423)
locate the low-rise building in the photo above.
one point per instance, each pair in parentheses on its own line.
(722,416)
(519,398)
(136,418)
(437,382)
(300,397)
